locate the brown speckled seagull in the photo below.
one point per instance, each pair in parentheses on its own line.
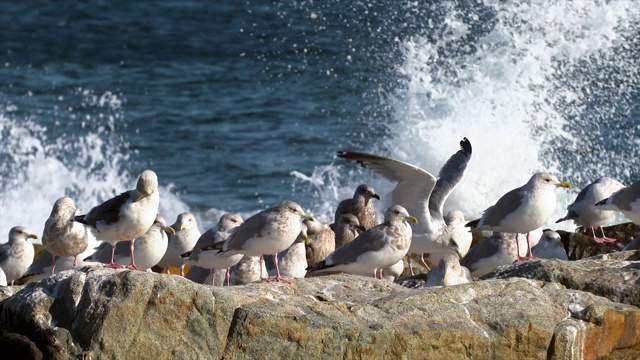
(268,233)
(360,205)
(62,236)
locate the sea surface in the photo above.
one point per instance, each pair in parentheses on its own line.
(239,104)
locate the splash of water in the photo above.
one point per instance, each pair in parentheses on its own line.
(40,164)
(530,85)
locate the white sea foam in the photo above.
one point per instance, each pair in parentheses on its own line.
(90,166)
(517,92)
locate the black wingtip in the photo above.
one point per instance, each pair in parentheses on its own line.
(561,220)
(602,202)
(318,266)
(186,255)
(473,224)
(341,153)
(465,146)
(80,219)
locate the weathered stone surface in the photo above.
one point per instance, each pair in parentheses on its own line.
(116,314)
(580,244)
(615,276)
(122,314)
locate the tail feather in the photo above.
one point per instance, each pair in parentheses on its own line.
(320,265)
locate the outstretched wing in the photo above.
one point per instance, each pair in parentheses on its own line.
(414,185)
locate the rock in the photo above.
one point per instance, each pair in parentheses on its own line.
(18,346)
(615,276)
(580,245)
(104,313)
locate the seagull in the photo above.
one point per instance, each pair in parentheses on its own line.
(583,211)
(293,260)
(460,237)
(17,254)
(550,247)
(126,216)
(42,266)
(3,278)
(377,248)
(206,253)
(496,250)
(148,249)
(347,228)
(449,272)
(625,200)
(268,233)
(322,241)
(523,209)
(421,194)
(248,270)
(633,245)
(185,238)
(393,271)
(360,205)
(62,236)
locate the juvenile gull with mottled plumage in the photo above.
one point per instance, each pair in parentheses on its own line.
(375,249)
(126,216)
(583,210)
(347,228)
(62,236)
(322,241)
(360,205)
(268,233)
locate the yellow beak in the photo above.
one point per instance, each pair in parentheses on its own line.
(565,184)
(412,219)
(33,236)
(169,229)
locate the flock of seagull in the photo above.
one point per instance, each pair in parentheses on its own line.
(285,242)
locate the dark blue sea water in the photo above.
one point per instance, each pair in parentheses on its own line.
(239,104)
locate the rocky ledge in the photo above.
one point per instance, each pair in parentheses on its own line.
(581,309)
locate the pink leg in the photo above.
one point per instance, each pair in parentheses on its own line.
(278,277)
(262,278)
(595,238)
(166,271)
(133,265)
(53,265)
(518,257)
(112,264)
(529,254)
(604,238)
(182,270)
(75,261)
(213,277)
(228,276)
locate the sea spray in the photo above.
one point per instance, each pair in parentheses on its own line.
(40,165)
(523,81)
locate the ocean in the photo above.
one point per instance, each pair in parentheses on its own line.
(237,105)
